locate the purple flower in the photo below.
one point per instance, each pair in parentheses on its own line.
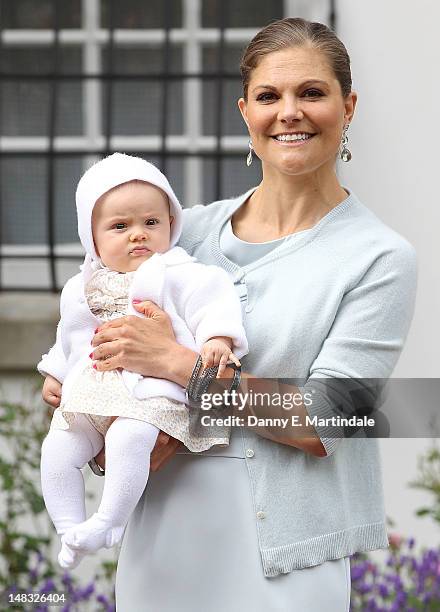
(411,543)
(396,581)
(427,598)
(371,606)
(48,586)
(66,578)
(87,591)
(383,590)
(358,572)
(390,561)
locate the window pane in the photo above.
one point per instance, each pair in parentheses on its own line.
(39,60)
(26,103)
(236,177)
(242,14)
(137,108)
(142,60)
(69,116)
(137,105)
(68,171)
(174,170)
(134,14)
(26,108)
(232,123)
(24,14)
(23,200)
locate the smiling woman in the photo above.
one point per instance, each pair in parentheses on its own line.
(327,291)
(294,101)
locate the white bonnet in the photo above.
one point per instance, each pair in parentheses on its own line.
(110,172)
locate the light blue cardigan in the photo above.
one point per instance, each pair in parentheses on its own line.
(336,302)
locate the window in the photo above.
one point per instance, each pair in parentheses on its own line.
(83,78)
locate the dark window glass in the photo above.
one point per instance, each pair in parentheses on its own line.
(24,195)
(241,14)
(26,104)
(23,192)
(137,105)
(232,123)
(174,171)
(67,171)
(26,108)
(39,14)
(142,60)
(39,60)
(135,14)
(236,177)
(137,108)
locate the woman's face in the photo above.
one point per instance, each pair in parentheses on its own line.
(295,111)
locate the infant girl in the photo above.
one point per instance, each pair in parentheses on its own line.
(129,221)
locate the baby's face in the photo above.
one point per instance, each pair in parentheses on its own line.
(130,223)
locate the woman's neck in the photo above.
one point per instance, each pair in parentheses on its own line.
(282,205)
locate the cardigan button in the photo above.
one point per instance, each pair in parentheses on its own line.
(249,453)
(249,308)
(261,515)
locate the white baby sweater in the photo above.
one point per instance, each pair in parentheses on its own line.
(200,300)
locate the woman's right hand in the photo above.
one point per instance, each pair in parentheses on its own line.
(164,449)
(52,391)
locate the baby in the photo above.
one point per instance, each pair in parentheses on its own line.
(129,221)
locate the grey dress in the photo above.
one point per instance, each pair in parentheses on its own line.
(191,545)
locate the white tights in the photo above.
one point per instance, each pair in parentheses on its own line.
(128,445)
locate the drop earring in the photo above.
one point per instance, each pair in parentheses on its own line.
(345,152)
(249,157)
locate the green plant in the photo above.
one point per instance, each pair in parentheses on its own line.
(428,479)
(408,582)
(24,527)
(26,532)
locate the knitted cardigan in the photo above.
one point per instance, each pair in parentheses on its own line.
(335,303)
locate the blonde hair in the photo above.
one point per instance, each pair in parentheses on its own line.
(296,32)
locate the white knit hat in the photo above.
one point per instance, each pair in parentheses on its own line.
(110,172)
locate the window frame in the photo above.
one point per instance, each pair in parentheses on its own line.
(193,146)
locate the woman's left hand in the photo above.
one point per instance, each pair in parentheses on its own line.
(137,344)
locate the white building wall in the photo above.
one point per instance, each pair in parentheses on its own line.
(394,47)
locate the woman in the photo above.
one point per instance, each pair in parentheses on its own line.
(327,290)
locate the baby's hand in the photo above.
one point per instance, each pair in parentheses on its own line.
(217,351)
(52,391)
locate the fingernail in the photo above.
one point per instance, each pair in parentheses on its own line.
(91,355)
(136,301)
(94,366)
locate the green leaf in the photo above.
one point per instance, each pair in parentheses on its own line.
(423,511)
